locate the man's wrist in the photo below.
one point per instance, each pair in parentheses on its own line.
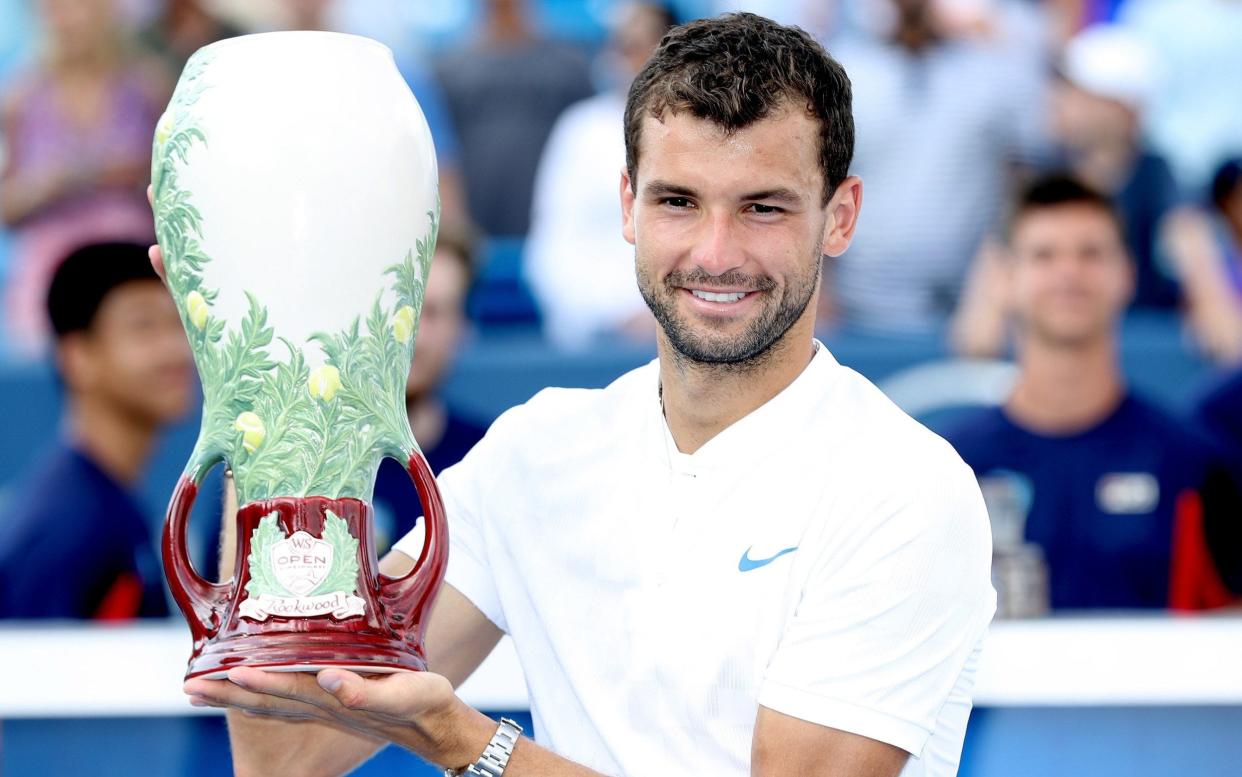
(458,735)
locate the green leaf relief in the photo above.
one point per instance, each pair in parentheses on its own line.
(264,536)
(343,576)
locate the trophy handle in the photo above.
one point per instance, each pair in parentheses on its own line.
(407,598)
(201,601)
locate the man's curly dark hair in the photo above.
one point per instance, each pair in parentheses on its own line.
(737,69)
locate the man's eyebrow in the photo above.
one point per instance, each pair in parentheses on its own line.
(779,194)
(660,188)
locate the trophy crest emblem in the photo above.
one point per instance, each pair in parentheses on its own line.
(301,576)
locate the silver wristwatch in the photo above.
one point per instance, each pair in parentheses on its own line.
(495,756)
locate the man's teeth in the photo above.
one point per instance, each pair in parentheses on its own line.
(711,296)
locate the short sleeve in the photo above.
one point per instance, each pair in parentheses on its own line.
(464,488)
(885,622)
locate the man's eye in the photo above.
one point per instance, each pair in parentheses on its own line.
(765,210)
(676,202)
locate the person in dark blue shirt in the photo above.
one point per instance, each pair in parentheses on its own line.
(73,541)
(444,435)
(1130,507)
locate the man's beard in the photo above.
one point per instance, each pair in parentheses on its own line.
(751,346)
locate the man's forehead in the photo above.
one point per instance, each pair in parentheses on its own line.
(784,145)
(1068,220)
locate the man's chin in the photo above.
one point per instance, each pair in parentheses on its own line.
(1067,336)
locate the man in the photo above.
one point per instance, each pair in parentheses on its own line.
(738,559)
(1123,501)
(74,542)
(444,435)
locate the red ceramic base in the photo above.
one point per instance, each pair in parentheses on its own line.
(383,634)
(304,653)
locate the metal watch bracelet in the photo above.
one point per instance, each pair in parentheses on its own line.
(495,756)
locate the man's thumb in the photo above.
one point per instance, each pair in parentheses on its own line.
(348,688)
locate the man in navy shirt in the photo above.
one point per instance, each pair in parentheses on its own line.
(1130,508)
(73,541)
(444,435)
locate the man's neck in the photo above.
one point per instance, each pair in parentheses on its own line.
(1066,389)
(702,400)
(507,28)
(117,442)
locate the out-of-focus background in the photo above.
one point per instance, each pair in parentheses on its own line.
(1116,652)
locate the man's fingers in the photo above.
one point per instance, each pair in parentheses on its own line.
(151,195)
(294,686)
(400,696)
(346,687)
(157,261)
(251,694)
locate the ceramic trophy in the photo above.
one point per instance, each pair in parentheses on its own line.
(295,198)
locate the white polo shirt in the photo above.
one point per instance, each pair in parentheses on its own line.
(826,557)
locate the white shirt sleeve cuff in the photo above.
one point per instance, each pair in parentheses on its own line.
(468,577)
(476,584)
(844,716)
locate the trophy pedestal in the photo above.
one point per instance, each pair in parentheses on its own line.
(305,653)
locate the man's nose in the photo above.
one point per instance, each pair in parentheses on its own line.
(717,248)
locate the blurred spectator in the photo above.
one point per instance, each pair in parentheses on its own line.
(319,15)
(1107,75)
(1195,118)
(78,133)
(1128,506)
(504,93)
(579,267)
(944,106)
(74,542)
(182,28)
(442,433)
(1227,201)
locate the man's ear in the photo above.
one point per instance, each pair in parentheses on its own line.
(627,206)
(75,359)
(843,210)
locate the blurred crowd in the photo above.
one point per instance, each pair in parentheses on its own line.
(957,102)
(963,110)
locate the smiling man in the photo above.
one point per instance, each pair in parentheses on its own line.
(1130,508)
(738,559)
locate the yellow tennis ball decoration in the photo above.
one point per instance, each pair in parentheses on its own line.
(164,129)
(252,429)
(403,324)
(324,382)
(196,307)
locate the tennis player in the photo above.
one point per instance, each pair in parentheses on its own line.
(738,559)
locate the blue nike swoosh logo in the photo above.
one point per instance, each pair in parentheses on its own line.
(746,564)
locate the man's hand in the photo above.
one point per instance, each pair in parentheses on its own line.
(157,261)
(154,252)
(417,710)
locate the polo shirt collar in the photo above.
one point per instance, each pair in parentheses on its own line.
(770,426)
